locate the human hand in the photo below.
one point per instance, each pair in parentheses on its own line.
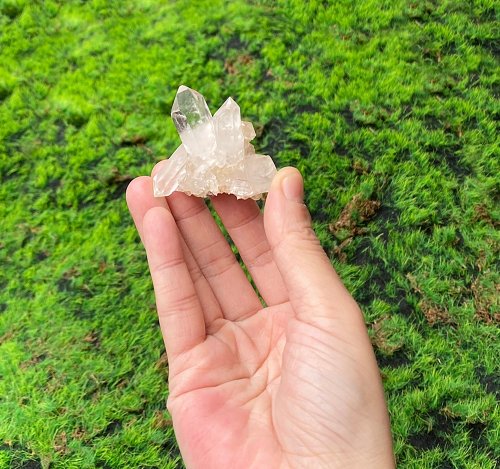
(294,384)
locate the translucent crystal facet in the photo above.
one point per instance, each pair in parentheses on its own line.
(193,121)
(216,155)
(228,132)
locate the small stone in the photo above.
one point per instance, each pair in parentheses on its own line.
(216,155)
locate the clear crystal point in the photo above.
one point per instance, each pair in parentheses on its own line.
(229,135)
(168,179)
(193,121)
(248,130)
(216,155)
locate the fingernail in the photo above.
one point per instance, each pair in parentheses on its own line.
(293,188)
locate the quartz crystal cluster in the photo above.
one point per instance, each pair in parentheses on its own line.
(216,155)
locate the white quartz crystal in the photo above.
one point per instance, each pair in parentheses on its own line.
(216,155)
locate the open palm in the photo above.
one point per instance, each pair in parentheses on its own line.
(293,384)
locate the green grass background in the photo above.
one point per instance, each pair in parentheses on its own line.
(393,100)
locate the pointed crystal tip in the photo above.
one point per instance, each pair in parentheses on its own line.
(193,121)
(189,108)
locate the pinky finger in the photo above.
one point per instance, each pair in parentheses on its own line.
(179,310)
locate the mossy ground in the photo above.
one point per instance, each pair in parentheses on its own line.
(390,102)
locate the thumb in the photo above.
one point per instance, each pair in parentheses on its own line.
(315,290)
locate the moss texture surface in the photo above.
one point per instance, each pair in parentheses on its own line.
(390,110)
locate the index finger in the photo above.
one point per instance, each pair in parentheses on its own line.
(179,310)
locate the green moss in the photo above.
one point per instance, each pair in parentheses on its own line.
(391,100)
